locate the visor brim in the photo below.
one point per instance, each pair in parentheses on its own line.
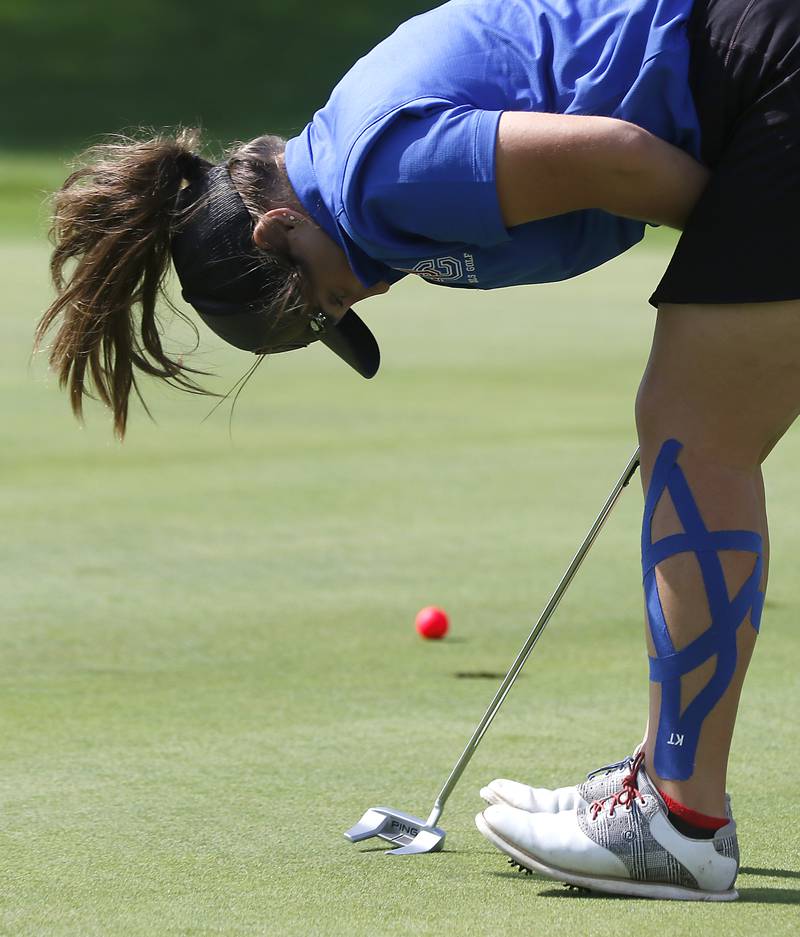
(354,343)
(350,338)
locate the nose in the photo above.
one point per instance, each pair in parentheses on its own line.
(377,290)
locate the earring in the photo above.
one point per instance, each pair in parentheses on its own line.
(318,321)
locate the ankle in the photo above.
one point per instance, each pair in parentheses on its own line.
(699,794)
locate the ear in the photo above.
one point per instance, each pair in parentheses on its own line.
(273,227)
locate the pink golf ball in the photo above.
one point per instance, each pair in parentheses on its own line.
(432,622)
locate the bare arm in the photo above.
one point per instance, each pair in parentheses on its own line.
(550,164)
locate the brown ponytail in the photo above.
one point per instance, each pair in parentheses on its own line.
(113,218)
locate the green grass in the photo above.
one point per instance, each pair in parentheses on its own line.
(26,181)
(208,666)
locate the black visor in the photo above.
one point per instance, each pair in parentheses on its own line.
(227,280)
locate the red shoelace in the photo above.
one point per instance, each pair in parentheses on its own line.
(626,795)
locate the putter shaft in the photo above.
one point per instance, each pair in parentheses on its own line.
(529,644)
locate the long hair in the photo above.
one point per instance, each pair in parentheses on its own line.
(113,221)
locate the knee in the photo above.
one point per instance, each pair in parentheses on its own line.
(708,432)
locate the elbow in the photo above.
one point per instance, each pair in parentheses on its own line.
(636,148)
(653,180)
(619,169)
(607,168)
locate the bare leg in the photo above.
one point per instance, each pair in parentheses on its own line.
(725,382)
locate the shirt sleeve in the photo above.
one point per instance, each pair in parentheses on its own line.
(425,172)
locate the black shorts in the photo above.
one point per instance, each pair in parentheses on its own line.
(741,243)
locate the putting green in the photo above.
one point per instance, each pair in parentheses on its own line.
(208,663)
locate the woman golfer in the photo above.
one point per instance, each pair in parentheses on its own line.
(497,142)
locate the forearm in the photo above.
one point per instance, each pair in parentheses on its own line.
(551,164)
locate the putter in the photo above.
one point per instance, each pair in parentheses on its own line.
(411,835)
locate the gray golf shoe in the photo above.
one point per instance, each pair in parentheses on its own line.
(622,844)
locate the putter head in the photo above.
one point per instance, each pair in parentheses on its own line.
(409,834)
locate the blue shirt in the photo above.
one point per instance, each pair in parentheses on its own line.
(399,166)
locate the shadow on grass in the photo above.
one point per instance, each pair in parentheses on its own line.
(557,891)
(533,878)
(581,894)
(388,848)
(770,895)
(444,642)
(478,675)
(769,873)
(747,895)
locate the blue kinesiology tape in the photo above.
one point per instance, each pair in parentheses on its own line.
(679,731)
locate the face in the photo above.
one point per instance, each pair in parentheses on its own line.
(331,284)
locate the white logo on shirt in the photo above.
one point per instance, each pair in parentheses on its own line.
(446,269)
